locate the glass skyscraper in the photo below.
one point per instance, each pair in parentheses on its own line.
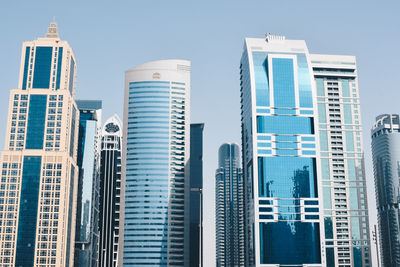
(229,208)
(386,159)
(304,178)
(39,172)
(345,207)
(110,192)
(280,154)
(88,160)
(155,157)
(196,194)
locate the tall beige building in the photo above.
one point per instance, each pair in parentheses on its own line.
(38,165)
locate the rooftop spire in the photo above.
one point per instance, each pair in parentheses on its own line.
(52,31)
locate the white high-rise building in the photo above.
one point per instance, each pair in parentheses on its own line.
(39,172)
(344,193)
(156,148)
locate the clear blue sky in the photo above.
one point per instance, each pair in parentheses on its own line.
(109,37)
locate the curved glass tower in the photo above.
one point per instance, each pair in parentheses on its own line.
(385,136)
(229,207)
(156,151)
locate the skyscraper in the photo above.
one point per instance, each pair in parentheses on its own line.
(196,194)
(110,192)
(39,177)
(87,211)
(280,154)
(229,208)
(386,159)
(345,207)
(155,158)
(304,174)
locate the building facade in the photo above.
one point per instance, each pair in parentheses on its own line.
(88,160)
(39,177)
(385,136)
(345,207)
(280,154)
(302,157)
(155,162)
(229,208)
(110,192)
(196,194)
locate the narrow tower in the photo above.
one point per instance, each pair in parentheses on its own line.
(39,171)
(385,136)
(110,192)
(229,205)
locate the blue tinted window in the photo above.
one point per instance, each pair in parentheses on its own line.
(330,257)
(72,140)
(321,113)
(305,92)
(287,177)
(285,111)
(285,125)
(36,121)
(26,65)
(351,169)
(345,88)
(289,243)
(308,145)
(41,74)
(71,75)
(320,87)
(283,78)
(261,78)
(347,114)
(349,141)
(285,145)
(328,228)
(286,138)
(28,211)
(323,136)
(60,54)
(325,169)
(357,257)
(327,198)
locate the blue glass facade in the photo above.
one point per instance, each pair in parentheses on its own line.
(59,64)
(26,65)
(287,177)
(42,71)
(28,207)
(289,243)
(36,121)
(86,234)
(147,174)
(229,207)
(281,176)
(71,75)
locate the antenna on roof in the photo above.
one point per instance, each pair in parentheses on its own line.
(52,31)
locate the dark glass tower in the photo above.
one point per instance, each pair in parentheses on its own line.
(87,210)
(386,157)
(110,189)
(196,195)
(229,205)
